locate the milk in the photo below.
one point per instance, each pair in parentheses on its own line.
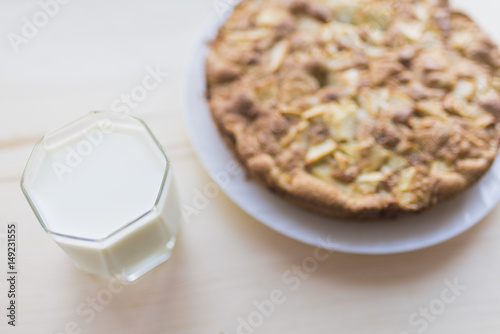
(106,194)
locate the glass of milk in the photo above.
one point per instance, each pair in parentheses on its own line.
(103,188)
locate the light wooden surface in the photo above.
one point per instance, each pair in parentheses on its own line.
(83,59)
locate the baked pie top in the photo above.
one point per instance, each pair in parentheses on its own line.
(357,109)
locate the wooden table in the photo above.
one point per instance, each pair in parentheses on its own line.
(226,266)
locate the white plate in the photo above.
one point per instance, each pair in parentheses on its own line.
(404,234)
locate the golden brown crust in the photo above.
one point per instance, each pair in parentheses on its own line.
(357,109)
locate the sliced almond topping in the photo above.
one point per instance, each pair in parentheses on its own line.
(432,108)
(484,121)
(465,89)
(461,39)
(348,12)
(365,101)
(396,162)
(472,166)
(339,113)
(287,110)
(379,16)
(271,17)
(376,37)
(342,160)
(371,177)
(327,33)
(421,11)
(375,51)
(320,151)
(284,180)
(350,79)
(347,129)
(482,83)
(473,139)
(316,111)
(367,187)
(292,133)
(248,35)
(351,150)
(408,200)
(278,54)
(401,107)
(302,125)
(470,111)
(440,166)
(348,36)
(378,157)
(406,179)
(286,140)
(342,61)
(496,83)
(412,30)
(307,24)
(373,100)
(323,171)
(266,89)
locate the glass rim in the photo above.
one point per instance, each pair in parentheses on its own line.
(127,225)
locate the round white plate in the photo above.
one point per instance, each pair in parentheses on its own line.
(407,233)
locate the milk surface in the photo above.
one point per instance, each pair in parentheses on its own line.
(115,183)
